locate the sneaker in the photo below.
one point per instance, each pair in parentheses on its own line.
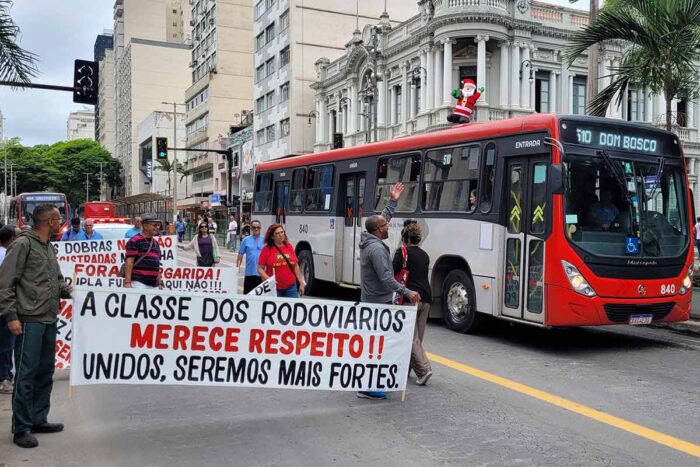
(423,380)
(371,395)
(25,439)
(48,428)
(6,387)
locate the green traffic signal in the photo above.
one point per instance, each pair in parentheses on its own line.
(162,148)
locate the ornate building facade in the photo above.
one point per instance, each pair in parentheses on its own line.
(395,81)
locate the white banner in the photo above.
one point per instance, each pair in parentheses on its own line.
(268,288)
(127,336)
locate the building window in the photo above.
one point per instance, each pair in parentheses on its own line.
(542,95)
(636,105)
(284,20)
(319,188)
(391,170)
(270,3)
(284,127)
(284,92)
(260,41)
(270,134)
(398,103)
(270,100)
(259,9)
(297,193)
(417,100)
(260,137)
(260,73)
(450,176)
(270,32)
(270,67)
(260,105)
(284,57)
(579,95)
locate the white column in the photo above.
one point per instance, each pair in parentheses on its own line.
(503,79)
(392,104)
(553,91)
(341,118)
(570,92)
(323,116)
(447,73)
(405,99)
(437,92)
(514,73)
(661,107)
(565,89)
(352,121)
(525,78)
(381,101)
(481,64)
(430,82)
(414,95)
(318,120)
(423,87)
(649,105)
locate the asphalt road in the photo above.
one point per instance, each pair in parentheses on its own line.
(523,396)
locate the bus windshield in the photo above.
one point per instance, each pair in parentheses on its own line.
(626,206)
(29,203)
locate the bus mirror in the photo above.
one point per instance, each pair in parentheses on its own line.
(556,179)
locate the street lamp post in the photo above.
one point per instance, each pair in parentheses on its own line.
(174,104)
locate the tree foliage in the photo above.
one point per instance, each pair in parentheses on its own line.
(62,167)
(662,39)
(16,64)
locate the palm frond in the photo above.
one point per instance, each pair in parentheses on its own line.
(16,64)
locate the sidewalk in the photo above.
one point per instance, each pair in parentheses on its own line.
(693,324)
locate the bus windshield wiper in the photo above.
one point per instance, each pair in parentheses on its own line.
(618,175)
(657,178)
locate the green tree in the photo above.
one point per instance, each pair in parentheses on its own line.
(662,39)
(164,165)
(184,173)
(16,64)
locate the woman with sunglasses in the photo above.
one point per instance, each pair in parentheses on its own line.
(205,247)
(279,259)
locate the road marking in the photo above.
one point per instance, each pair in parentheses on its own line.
(639,430)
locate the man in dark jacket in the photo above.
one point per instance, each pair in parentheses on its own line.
(31,286)
(377,275)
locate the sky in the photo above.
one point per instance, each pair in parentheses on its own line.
(60,31)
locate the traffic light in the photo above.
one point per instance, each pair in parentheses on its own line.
(85,81)
(162,148)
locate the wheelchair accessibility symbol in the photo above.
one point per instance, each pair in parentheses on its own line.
(631,246)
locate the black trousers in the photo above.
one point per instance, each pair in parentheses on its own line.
(251,282)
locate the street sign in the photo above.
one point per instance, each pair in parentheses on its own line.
(85,82)
(215,200)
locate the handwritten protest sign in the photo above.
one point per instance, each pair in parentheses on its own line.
(126,336)
(268,288)
(64,334)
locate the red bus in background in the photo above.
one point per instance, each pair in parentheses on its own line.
(22,206)
(96,209)
(546,220)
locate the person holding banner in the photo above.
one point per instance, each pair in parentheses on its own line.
(31,286)
(251,247)
(205,247)
(142,266)
(279,259)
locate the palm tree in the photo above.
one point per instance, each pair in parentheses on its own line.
(16,64)
(184,173)
(164,165)
(663,42)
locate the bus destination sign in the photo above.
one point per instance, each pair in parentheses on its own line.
(617,138)
(40,198)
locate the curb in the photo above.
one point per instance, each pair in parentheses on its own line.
(691,325)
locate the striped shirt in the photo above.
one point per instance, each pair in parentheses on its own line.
(146,271)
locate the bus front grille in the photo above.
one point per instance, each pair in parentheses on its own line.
(621,313)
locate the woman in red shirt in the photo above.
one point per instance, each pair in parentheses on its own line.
(279,259)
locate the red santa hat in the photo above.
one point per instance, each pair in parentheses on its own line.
(466,81)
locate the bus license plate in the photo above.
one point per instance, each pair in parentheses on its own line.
(641,319)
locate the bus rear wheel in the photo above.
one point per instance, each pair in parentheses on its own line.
(306,265)
(459,303)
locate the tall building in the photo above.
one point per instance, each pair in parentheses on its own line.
(221,65)
(160,124)
(151,54)
(289,36)
(81,125)
(104,118)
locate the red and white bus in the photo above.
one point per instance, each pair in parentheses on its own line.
(22,206)
(578,220)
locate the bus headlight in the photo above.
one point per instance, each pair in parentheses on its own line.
(687,282)
(577,281)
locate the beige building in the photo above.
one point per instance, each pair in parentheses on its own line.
(290,35)
(105,125)
(151,51)
(81,125)
(221,66)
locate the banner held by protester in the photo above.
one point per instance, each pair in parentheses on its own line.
(268,288)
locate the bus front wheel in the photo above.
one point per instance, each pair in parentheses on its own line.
(459,303)
(306,265)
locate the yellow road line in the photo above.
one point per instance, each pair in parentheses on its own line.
(639,430)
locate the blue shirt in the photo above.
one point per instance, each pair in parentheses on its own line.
(71,235)
(132,232)
(179,226)
(95,236)
(251,247)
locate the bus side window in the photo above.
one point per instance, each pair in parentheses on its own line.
(297,194)
(404,169)
(488,172)
(263,193)
(319,188)
(451,175)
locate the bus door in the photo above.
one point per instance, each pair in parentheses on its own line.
(526,210)
(354,199)
(281,202)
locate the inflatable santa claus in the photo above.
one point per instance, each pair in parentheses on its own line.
(466,99)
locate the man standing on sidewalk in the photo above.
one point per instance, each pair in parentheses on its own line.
(377,273)
(31,286)
(251,247)
(232,233)
(8,234)
(142,267)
